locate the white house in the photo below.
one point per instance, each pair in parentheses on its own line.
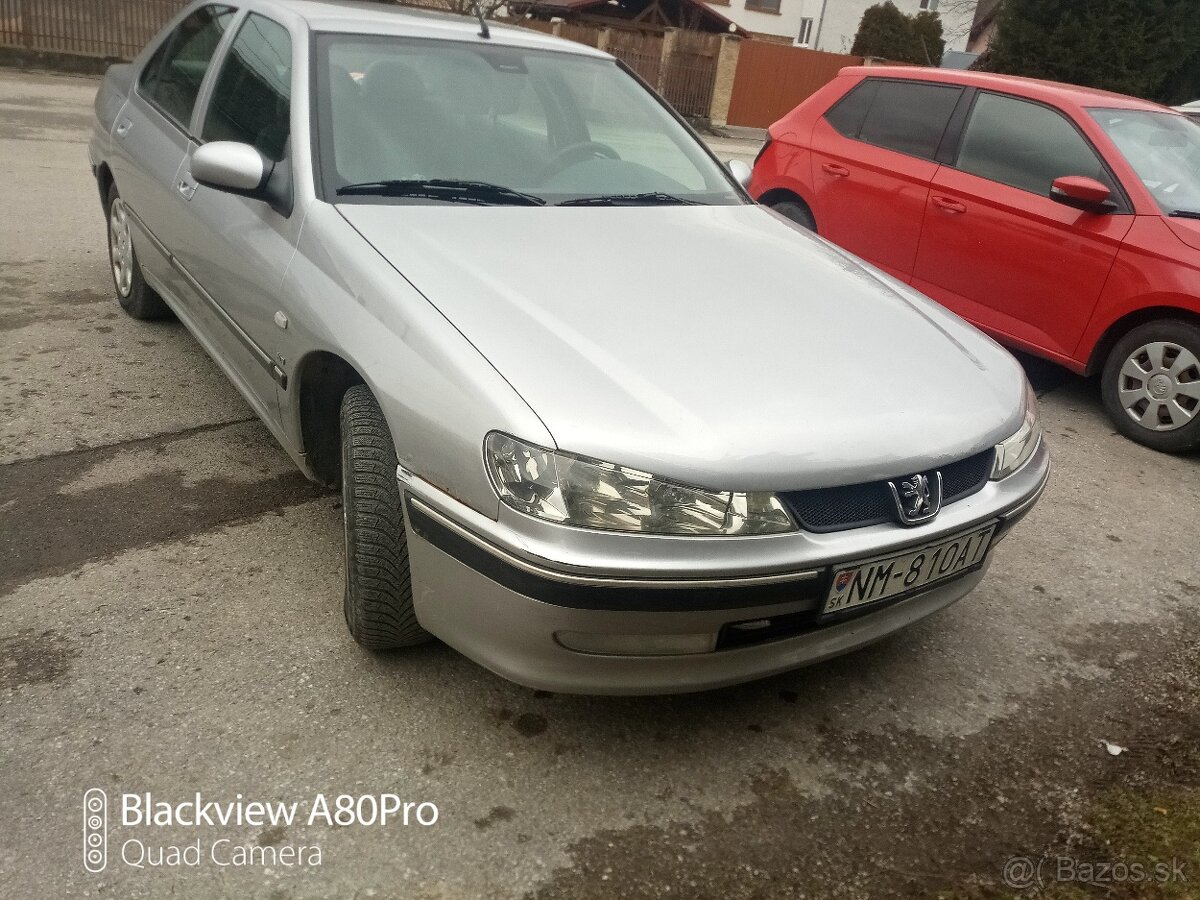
(831,24)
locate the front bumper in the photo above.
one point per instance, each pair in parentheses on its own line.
(499,591)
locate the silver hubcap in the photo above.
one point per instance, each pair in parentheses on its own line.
(1160,386)
(120,248)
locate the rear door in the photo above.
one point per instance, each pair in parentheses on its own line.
(996,249)
(873,159)
(153,131)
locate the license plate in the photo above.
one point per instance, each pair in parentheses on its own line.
(879,579)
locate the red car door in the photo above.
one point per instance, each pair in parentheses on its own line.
(996,249)
(872,159)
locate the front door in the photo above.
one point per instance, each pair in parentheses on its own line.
(996,249)
(236,249)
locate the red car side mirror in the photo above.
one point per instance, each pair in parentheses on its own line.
(1080,192)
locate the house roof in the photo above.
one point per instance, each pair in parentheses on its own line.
(681,12)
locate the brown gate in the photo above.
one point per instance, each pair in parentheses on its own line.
(639,50)
(771,79)
(690,72)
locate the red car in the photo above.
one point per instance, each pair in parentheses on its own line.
(1061,220)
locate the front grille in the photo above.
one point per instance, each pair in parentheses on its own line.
(857,505)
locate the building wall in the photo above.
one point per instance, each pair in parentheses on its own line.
(835,22)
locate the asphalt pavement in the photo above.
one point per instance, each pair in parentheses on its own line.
(170,622)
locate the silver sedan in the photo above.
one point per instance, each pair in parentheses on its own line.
(599,422)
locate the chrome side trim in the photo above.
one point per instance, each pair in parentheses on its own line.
(602,581)
(260,355)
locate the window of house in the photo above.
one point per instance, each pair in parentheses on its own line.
(1025,145)
(906,116)
(806,27)
(251,102)
(172,77)
(767,6)
(930,5)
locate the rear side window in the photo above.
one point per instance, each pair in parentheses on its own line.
(172,78)
(251,102)
(1025,145)
(848,114)
(909,117)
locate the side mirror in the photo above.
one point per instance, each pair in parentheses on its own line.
(741,172)
(1086,194)
(230,166)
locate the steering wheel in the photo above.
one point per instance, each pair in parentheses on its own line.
(568,156)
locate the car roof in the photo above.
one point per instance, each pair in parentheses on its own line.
(1055,92)
(360,17)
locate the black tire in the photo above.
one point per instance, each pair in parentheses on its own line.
(378,601)
(137,298)
(797,211)
(1121,390)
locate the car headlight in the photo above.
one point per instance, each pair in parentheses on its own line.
(1014,452)
(587,493)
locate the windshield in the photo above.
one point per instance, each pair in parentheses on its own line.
(1163,149)
(421,121)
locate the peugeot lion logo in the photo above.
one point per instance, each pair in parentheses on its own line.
(918,498)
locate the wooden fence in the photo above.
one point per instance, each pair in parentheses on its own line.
(773,78)
(112,29)
(680,64)
(690,72)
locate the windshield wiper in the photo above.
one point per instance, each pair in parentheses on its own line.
(482,193)
(1186,213)
(650,198)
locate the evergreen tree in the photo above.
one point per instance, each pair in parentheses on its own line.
(1147,48)
(888,33)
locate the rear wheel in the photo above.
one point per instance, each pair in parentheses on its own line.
(797,211)
(378,601)
(137,298)
(1151,385)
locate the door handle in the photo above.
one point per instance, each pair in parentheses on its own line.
(835,169)
(123,127)
(948,205)
(187,186)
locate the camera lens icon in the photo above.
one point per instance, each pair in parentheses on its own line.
(95,830)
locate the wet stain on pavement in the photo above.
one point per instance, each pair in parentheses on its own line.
(495,814)
(32,658)
(269,837)
(530,724)
(45,531)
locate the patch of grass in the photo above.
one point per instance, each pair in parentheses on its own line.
(1156,833)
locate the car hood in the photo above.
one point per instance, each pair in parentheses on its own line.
(717,345)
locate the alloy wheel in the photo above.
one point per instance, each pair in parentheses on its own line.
(120,247)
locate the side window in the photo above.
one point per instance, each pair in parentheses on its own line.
(1025,145)
(172,78)
(909,117)
(848,113)
(251,102)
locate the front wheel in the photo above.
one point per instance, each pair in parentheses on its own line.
(378,601)
(1151,385)
(797,211)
